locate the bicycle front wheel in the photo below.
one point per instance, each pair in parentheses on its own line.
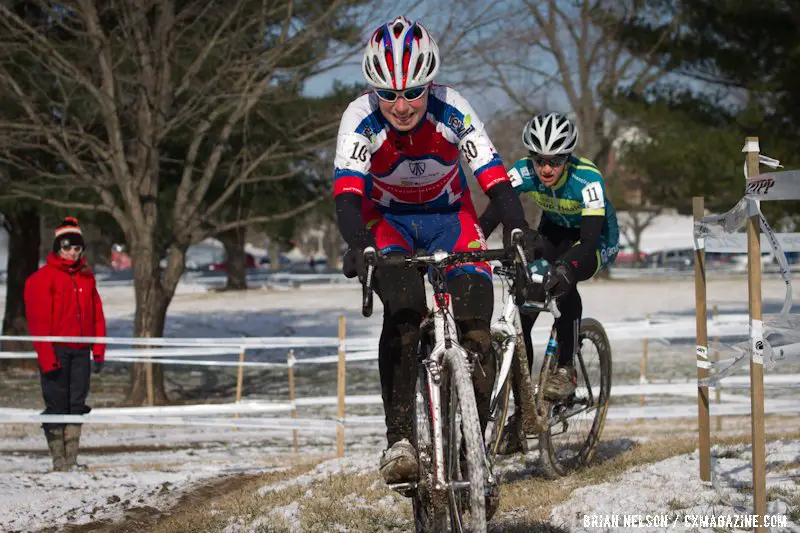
(575,424)
(465,459)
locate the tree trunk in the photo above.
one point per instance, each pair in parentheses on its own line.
(149,319)
(236,262)
(24,238)
(274,251)
(332,242)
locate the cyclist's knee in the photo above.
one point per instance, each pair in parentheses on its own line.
(401,330)
(400,289)
(473,297)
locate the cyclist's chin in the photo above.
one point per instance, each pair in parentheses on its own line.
(404,123)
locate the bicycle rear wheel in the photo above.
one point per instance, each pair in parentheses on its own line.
(576,423)
(465,464)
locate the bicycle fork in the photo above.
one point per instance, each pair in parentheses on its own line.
(444,329)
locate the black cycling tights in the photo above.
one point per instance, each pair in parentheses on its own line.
(402,292)
(570,305)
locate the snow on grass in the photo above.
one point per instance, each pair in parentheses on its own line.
(672,488)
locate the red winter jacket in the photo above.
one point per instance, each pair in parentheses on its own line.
(61,299)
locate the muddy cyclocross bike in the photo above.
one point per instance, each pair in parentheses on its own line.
(568,430)
(455,478)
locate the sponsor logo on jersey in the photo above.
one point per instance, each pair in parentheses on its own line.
(416,167)
(461,128)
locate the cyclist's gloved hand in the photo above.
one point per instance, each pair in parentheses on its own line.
(558,281)
(533,244)
(349,268)
(353,261)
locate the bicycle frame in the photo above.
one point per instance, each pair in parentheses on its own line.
(506,326)
(533,420)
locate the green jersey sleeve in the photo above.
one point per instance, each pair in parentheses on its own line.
(522,177)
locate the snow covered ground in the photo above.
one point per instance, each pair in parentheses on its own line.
(139,467)
(670,496)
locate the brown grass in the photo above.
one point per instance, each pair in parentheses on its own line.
(363,503)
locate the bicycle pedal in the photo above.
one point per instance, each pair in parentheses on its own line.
(405,489)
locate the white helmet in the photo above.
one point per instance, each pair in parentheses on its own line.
(550,134)
(400,55)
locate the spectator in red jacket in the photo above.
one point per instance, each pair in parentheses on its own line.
(61,299)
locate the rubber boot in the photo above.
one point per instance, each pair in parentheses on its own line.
(72,438)
(55,442)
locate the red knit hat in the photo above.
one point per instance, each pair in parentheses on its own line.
(68,233)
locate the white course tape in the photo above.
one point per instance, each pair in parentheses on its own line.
(757,341)
(262,423)
(190,362)
(699,243)
(784,185)
(248,342)
(702,352)
(143,353)
(703,364)
(350,357)
(750,146)
(780,256)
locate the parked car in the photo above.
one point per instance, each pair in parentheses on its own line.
(679,258)
(249,262)
(626,256)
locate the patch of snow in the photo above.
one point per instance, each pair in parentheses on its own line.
(673,488)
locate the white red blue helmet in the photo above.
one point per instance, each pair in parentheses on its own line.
(550,134)
(400,55)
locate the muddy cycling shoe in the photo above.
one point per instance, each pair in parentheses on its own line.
(513,439)
(399,463)
(561,384)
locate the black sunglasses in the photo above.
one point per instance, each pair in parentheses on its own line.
(73,247)
(553,161)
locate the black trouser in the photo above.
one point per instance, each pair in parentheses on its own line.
(403,295)
(559,240)
(65,390)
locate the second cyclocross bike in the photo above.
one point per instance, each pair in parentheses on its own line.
(568,430)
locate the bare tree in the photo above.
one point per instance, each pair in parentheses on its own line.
(135,75)
(561,49)
(632,224)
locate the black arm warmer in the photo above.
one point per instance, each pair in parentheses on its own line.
(583,254)
(489,221)
(505,202)
(351,222)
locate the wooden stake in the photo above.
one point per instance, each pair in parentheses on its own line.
(295,433)
(701,321)
(341,390)
(756,331)
(715,358)
(643,367)
(239,378)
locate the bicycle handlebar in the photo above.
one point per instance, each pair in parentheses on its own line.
(443,259)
